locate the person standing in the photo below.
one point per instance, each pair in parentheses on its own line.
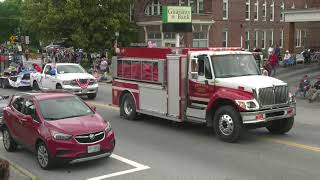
(273,61)
(27,54)
(314,92)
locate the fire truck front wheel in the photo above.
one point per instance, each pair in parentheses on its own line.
(227,124)
(281,126)
(128,107)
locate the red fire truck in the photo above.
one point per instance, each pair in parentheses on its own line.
(220,87)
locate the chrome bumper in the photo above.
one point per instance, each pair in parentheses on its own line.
(268,115)
(90,158)
(79,91)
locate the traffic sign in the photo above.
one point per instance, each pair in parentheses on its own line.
(13,39)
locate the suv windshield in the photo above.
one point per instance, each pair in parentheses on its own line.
(62,108)
(64,69)
(234,65)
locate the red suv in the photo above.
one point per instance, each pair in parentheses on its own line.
(56,126)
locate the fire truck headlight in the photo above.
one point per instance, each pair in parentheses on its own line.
(292,98)
(248,104)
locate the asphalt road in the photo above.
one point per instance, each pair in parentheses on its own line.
(152,148)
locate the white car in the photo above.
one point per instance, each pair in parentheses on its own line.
(70,77)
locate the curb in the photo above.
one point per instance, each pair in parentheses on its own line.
(21,170)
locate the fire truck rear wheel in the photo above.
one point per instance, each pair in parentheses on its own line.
(227,124)
(128,107)
(281,126)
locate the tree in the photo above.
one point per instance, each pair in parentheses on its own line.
(90,25)
(10,15)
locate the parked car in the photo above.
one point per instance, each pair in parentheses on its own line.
(57,126)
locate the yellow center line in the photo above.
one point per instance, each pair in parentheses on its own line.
(275,141)
(293,144)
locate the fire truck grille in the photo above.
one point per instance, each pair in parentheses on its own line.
(90,138)
(273,95)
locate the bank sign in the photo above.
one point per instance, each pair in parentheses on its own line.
(176,14)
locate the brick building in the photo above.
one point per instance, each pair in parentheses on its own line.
(216,23)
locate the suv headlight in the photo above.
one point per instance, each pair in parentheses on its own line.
(66,82)
(60,136)
(93,81)
(248,104)
(108,128)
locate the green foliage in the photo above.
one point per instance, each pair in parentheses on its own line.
(87,24)
(10,14)
(85,63)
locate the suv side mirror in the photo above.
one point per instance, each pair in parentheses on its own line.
(94,109)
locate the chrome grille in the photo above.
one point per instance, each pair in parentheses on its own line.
(90,138)
(273,95)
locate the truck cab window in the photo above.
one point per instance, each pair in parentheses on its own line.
(207,68)
(47,69)
(201,66)
(204,67)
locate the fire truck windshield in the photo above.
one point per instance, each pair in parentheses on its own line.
(234,65)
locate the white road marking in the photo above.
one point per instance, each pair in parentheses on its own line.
(138,167)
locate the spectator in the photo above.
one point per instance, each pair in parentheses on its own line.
(287,58)
(304,86)
(273,61)
(27,54)
(53,71)
(4,170)
(104,65)
(314,92)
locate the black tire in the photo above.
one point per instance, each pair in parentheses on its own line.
(8,142)
(58,86)
(128,107)
(92,95)
(35,86)
(4,83)
(281,126)
(44,158)
(230,120)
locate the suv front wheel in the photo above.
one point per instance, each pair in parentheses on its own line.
(43,156)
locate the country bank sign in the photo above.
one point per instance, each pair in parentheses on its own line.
(177,19)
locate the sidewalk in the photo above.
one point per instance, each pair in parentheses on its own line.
(16,175)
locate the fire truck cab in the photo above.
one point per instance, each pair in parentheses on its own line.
(220,87)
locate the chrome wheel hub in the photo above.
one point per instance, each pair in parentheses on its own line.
(6,139)
(226,125)
(127,107)
(42,156)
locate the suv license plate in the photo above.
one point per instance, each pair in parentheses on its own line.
(94,148)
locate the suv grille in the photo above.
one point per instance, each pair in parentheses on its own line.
(90,138)
(273,95)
